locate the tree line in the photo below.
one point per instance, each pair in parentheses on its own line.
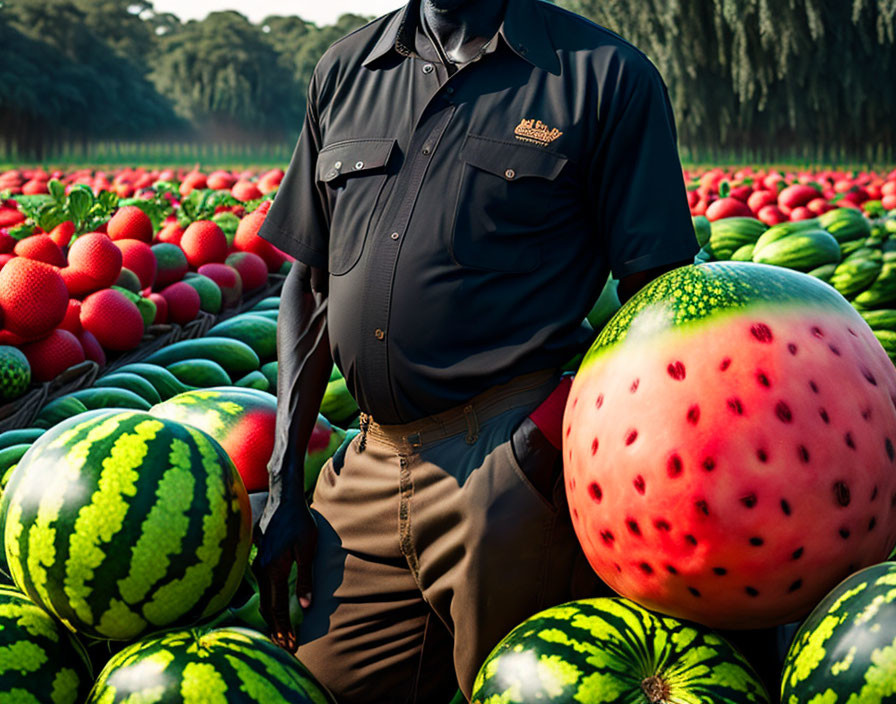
(764,78)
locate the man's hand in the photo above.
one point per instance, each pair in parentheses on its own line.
(289,538)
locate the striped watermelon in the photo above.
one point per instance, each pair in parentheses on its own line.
(198,666)
(609,651)
(39,660)
(120,523)
(845,651)
(241,419)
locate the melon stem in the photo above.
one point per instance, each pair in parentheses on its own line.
(656,689)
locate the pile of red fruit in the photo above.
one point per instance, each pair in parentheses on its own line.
(779,196)
(66,297)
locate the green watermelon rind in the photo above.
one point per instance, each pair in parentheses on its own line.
(557,656)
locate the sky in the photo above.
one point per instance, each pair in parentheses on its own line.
(320,12)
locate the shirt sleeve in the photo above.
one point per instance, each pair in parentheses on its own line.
(641,204)
(298,221)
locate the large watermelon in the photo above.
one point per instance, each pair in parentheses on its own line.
(223,666)
(612,651)
(729,445)
(120,523)
(845,651)
(241,419)
(39,660)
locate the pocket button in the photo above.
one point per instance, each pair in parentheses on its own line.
(510,174)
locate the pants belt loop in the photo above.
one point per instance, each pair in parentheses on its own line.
(364,424)
(472,425)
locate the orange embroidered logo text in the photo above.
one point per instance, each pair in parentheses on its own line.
(536,131)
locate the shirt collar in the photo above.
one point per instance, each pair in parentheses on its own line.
(528,39)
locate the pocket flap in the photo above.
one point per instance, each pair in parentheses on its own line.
(511,160)
(353,156)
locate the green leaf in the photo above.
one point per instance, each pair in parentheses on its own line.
(50,215)
(57,190)
(79,204)
(20,232)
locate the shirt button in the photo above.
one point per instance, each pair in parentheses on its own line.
(394,235)
(337,165)
(426,151)
(380,335)
(428,68)
(510,174)
(359,165)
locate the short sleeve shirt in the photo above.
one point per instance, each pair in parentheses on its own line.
(469,219)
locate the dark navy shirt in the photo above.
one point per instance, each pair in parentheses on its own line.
(468,219)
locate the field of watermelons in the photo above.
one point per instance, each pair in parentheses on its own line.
(729,439)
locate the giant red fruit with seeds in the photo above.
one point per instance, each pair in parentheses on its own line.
(33,297)
(52,355)
(94,262)
(247,239)
(729,445)
(139,258)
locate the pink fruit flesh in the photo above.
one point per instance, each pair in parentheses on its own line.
(732,473)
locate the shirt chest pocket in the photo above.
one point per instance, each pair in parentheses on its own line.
(504,204)
(353,173)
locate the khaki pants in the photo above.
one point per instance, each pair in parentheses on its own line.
(432,546)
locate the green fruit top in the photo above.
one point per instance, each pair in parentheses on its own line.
(701,291)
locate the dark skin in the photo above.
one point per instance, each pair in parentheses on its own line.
(288,532)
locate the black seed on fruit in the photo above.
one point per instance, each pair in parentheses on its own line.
(674,466)
(834,349)
(572,483)
(872,523)
(645,568)
(761,332)
(866,414)
(633,526)
(841,493)
(814,387)
(594,445)
(844,533)
(782,410)
(568,430)
(634,386)
(852,332)
(749,500)
(735,406)
(618,568)
(721,571)
(791,348)
(600,401)
(727,363)
(631,437)
(797,554)
(850,443)
(888,444)
(661,524)
(762,455)
(796,585)
(756,541)
(694,591)
(709,464)
(816,331)
(690,539)
(607,536)
(676,371)
(785,507)
(694,414)
(751,591)
(640,485)
(869,377)
(873,493)
(803,454)
(702,506)
(824,415)
(763,379)
(575,514)
(596,493)
(671,570)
